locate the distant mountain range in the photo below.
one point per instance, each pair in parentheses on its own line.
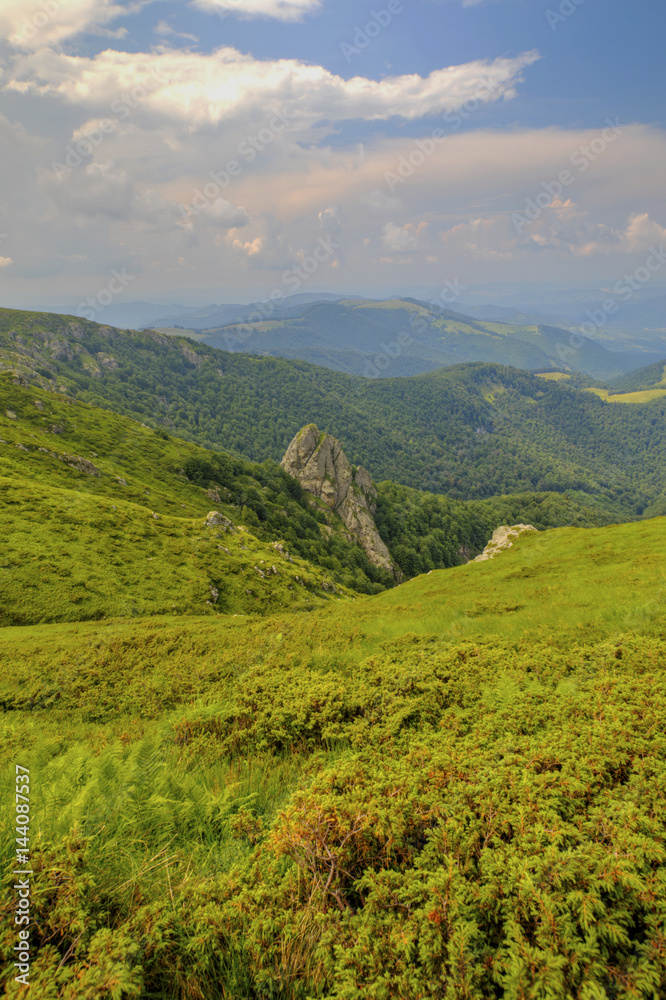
(140,315)
(399,337)
(639,314)
(470,431)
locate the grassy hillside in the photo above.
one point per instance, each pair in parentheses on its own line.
(650,377)
(471,431)
(351,334)
(452,789)
(99,510)
(104,516)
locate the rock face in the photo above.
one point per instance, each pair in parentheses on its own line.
(322,468)
(503,538)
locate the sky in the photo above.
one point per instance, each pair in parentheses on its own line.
(225,150)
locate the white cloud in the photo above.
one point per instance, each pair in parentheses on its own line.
(564,227)
(164,29)
(480,239)
(33,24)
(103,191)
(5,261)
(283,10)
(219,213)
(98,190)
(264,246)
(640,232)
(404,239)
(207,89)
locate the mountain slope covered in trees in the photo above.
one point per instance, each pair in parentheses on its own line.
(471,431)
(105,516)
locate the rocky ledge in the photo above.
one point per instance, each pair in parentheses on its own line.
(318,462)
(503,538)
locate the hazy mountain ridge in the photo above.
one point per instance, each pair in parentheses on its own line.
(405,336)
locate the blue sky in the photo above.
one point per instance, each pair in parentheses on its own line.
(97,182)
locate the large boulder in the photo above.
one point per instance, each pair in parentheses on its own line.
(320,465)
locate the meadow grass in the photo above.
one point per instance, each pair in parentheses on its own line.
(643,396)
(280,796)
(193,775)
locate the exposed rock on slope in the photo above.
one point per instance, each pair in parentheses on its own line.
(503,538)
(322,468)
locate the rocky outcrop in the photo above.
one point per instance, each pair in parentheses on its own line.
(503,538)
(216,520)
(318,462)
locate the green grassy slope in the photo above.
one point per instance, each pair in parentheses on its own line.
(102,516)
(70,557)
(471,431)
(99,510)
(455,788)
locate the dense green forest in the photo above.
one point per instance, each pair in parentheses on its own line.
(470,432)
